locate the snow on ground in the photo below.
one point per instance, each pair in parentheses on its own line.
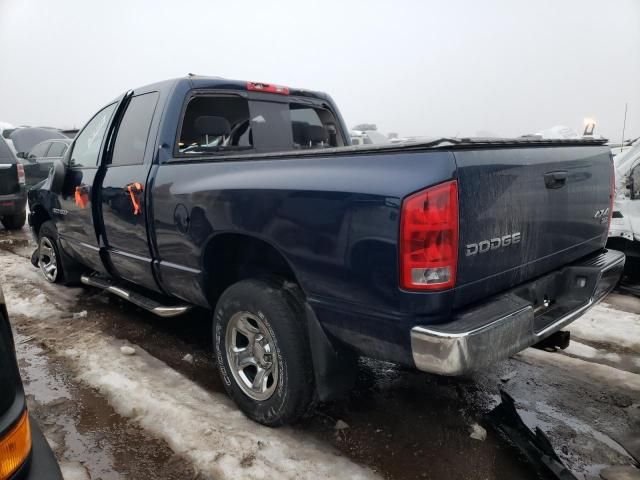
(206,428)
(74,471)
(606,324)
(586,352)
(603,374)
(603,325)
(16,273)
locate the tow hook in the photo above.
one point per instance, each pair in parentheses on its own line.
(558,339)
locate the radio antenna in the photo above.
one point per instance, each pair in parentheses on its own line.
(624,124)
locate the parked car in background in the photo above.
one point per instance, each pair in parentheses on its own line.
(23,139)
(13,197)
(24,451)
(37,162)
(70,132)
(624,233)
(368,137)
(619,148)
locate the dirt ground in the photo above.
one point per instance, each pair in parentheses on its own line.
(162,412)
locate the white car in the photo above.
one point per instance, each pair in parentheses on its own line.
(624,232)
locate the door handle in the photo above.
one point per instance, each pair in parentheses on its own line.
(133,189)
(81,196)
(555,179)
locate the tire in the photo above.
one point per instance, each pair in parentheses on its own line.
(14,222)
(273,315)
(49,258)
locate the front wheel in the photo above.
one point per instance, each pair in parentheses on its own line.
(48,255)
(262,349)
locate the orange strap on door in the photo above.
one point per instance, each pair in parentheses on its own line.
(81,197)
(134,189)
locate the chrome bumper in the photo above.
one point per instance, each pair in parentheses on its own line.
(511,322)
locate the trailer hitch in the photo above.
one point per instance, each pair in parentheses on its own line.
(558,339)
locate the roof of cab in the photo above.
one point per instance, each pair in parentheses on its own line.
(204,82)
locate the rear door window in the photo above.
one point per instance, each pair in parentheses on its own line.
(131,139)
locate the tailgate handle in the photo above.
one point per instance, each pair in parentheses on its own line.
(555,179)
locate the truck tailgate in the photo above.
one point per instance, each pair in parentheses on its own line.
(527,211)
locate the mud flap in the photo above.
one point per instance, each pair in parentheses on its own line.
(334,366)
(535,447)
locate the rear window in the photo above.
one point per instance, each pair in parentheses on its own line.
(221,124)
(213,124)
(313,127)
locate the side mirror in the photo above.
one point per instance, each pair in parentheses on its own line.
(58,173)
(21,154)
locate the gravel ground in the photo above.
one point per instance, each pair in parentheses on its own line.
(162,412)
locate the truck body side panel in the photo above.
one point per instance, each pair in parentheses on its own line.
(337,228)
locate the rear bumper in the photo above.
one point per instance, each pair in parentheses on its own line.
(13,204)
(515,320)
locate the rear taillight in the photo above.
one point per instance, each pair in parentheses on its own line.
(21,177)
(429,238)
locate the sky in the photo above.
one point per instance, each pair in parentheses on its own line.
(429,68)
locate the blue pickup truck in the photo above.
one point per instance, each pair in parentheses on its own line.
(247,199)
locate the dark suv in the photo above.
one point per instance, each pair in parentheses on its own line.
(13,197)
(24,452)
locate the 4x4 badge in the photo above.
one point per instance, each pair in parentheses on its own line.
(602,215)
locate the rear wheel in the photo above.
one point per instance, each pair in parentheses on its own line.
(263,353)
(14,222)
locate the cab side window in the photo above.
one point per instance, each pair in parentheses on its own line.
(87,145)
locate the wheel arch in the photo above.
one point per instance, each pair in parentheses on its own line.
(230,257)
(39,215)
(334,364)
